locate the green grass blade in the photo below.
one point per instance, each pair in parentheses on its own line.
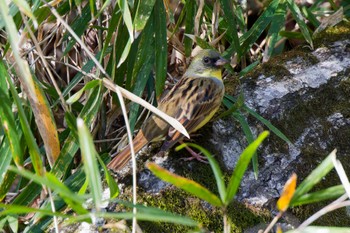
(143,12)
(300,20)
(123,5)
(214,167)
(322,195)
(9,126)
(79,25)
(259,26)
(241,167)
(187,185)
(267,123)
(161,51)
(142,68)
(112,184)
(315,176)
(190,7)
(70,146)
(230,18)
(20,209)
(277,24)
(250,138)
(92,172)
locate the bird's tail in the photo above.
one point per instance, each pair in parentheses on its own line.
(120,160)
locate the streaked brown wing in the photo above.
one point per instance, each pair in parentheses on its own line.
(204,97)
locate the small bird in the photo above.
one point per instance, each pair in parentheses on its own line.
(193,101)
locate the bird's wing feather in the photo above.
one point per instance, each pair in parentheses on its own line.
(195,111)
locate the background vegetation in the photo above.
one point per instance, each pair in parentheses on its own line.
(60,61)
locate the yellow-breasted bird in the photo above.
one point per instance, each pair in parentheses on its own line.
(193,101)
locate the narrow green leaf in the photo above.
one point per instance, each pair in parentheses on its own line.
(79,25)
(112,184)
(230,18)
(70,146)
(241,167)
(267,123)
(142,68)
(78,94)
(214,166)
(250,138)
(143,12)
(161,51)
(322,195)
(277,24)
(123,5)
(249,68)
(9,126)
(143,214)
(19,209)
(294,9)
(259,26)
(25,8)
(28,134)
(190,7)
(310,16)
(315,176)
(90,163)
(187,185)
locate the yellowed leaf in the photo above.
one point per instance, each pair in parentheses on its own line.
(287,193)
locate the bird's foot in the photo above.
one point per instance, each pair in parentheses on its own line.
(195,155)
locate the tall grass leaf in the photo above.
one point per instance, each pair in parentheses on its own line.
(277,24)
(161,46)
(23,71)
(187,185)
(74,182)
(249,68)
(20,209)
(241,167)
(143,12)
(25,8)
(123,5)
(250,138)
(87,86)
(54,184)
(142,68)
(321,195)
(190,7)
(259,26)
(143,213)
(267,124)
(229,16)
(90,164)
(125,53)
(79,25)
(80,75)
(310,16)
(214,167)
(294,9)
(5,161)
(112,184)
(9,126)
(113,24)
(70,146)
(315,176)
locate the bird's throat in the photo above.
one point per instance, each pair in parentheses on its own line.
(212,73)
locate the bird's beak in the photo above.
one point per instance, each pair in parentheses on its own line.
(221,62)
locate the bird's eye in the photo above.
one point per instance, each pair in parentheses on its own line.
(206,60)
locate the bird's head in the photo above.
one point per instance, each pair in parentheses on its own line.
(207,63)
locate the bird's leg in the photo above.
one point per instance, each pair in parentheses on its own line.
(195,155)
